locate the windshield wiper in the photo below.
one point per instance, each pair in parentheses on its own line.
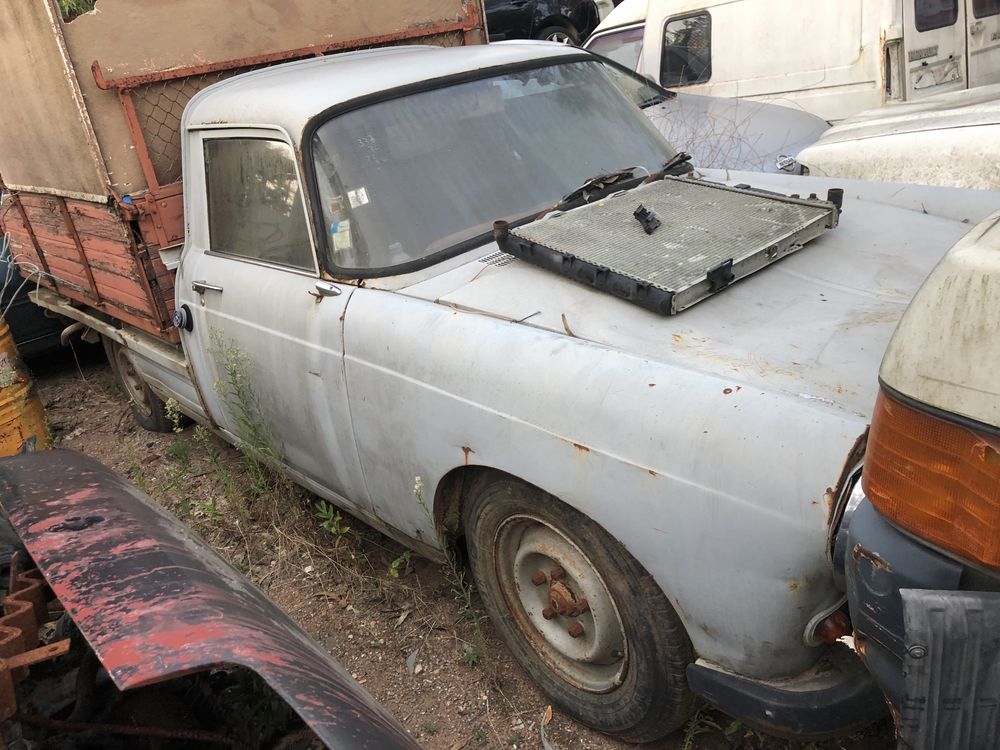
(678,164)
(597,184)
(654,99)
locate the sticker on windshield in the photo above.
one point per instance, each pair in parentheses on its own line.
(357,197)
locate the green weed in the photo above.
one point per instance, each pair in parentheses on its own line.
(330,519)
(400,564)
(462,588)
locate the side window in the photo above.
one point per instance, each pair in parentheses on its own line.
(687,50)
(255,202)
(934,14)
(984,8)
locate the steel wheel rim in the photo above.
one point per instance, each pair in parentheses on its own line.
(560,37)
(596,659)
(134,385)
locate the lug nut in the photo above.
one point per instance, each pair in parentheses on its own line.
(548,613)
(557,573)
(575,630)
(582,606)
(539,578)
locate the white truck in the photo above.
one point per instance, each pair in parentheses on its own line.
(828,57)
(481,271)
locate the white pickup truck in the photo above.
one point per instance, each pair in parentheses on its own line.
(644,490)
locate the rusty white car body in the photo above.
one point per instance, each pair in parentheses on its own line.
(709,446)
(950,139)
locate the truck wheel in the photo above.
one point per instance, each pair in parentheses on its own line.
(586,621)
(148,409)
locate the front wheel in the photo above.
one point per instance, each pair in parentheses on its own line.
(585,620)
(559,34)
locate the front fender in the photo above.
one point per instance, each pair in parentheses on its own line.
(717,489)
(155,602)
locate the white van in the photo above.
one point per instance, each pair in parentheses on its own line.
(951,139)
(830,57)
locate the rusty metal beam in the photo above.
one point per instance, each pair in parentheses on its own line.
(138,138)
(466,27)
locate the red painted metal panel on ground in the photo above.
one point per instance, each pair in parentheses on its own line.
(155,602)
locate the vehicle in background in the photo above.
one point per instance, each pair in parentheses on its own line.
(35,332)
(918,542)
(723,133)
(951,139)
(195,653)
(564,21)
(820,56)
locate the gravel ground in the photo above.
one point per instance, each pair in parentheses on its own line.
(392,619)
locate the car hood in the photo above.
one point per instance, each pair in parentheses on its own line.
(813,326)
(955,109)
(726,133)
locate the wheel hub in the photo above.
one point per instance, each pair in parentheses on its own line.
(560,604)
(561,599)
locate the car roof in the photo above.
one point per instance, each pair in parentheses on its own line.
(287,96)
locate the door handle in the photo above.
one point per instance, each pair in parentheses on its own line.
(976,28)
(203,286)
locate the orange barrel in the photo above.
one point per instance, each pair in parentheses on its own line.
(22,419)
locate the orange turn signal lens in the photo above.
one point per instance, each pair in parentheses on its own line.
(935,478)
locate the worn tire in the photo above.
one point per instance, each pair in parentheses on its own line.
(514,530)
(561,34)
(148,409)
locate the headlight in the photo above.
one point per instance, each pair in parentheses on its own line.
(936,478)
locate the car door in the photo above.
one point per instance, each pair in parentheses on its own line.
(934,45)
(509,19)
(266,332)
(983,23)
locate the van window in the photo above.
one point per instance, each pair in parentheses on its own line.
(687,50)
(254,202)
(984,8)
(623,46)
(935,14)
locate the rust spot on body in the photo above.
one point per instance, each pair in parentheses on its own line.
(467,451)
(794,585)
(652,473)
(581,448)
(860,553)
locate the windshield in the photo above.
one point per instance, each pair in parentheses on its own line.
(624,46)
(417,176)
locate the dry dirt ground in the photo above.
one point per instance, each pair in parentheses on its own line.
(395,621)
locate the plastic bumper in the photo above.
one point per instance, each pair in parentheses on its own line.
(933,648)
(835,696)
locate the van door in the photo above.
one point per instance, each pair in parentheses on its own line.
(934,46)
(266,337)
(983,22)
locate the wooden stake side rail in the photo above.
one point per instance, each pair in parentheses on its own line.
(86,252)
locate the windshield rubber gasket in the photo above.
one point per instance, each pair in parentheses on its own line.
(342,108)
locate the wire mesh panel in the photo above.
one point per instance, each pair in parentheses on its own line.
(159,106)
